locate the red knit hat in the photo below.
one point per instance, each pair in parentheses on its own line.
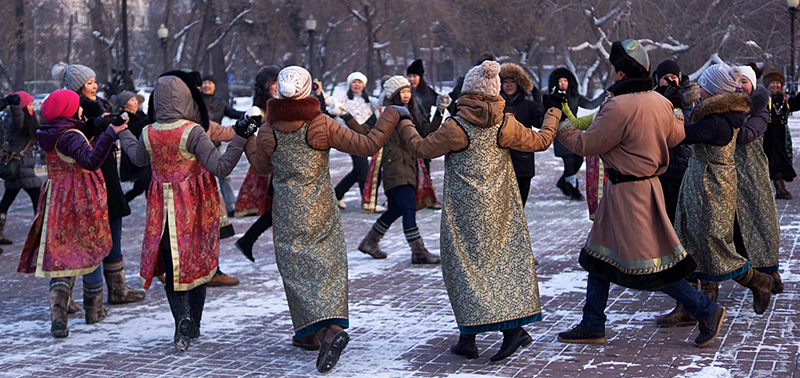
(24,98)
(61,103)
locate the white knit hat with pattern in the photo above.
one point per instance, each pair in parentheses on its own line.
(393,85)
(483,80)
(357,76)
(294,82)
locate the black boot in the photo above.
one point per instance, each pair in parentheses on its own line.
(512,340)
(3,238)
(197,299)
(562,184)
(465,347)
(245,243)
(179,305)
(709,328)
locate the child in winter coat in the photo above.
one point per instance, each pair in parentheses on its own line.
(70,235)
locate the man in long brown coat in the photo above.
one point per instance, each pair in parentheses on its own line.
(632,242)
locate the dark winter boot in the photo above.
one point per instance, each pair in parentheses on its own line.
(3,238)
(370,243)
(420,254)
(118,290)
(574,193)
(761,286)
(245,243)
(512,340)
(332,341)
(93,310)
(197,299)
(679,317)
(709,328)
(578,335)
(59,299)
(179,305)
(310,342)
(780,190)
(73,307)
(465,347)
(777,284)
(710,289)
(565,188)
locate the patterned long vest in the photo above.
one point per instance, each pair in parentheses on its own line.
(254,197)
(70,235)
(184,196)
(757,213)
(706,212)
(487,260)
(309,242)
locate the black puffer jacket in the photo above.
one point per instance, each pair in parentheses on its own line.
(117,205)
(530,114)
(18,136)
(425,98)
(574,100)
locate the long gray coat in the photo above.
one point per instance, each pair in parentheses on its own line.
(17,137)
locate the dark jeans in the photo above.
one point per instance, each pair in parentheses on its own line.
(403,202)
(139,186)
(11,194)
(594,317)
(572,164)
(671,188)
(357,175)
(524,188)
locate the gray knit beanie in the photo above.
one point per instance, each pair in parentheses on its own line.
(719,79)
(483,80)
(72,77)
(122,98)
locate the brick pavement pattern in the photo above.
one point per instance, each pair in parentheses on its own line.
(401,321)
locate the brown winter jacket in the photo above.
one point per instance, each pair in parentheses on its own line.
(287,115)
(483,112)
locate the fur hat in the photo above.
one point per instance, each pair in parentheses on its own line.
(628,55)
(393,85)
(61,103)
(24,98)
(516,73)
(718,79)
(357,76)
(416,68)
(747,72)
(294,82)
(72,77)
(483,80)
(668,67)
(773,75)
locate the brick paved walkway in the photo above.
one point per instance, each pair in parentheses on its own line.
(401,320)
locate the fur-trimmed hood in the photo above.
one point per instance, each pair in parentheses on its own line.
(516,73)
(558,73)
(720,104)
(691,93)
(759,99)
(287,115)
(480,110)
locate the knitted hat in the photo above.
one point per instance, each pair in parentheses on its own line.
(24,98)
(719,79)
(747,72)
(483,80)
(61,103)
(668,67)
(416,68)
(72,77)
(122,98)
(393,85)
(210,78)
(756,69)
(629,53)
(356,76)
(773,75)
(294,82)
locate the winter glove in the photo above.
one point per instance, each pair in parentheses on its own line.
(403,111)
(101,123)
(245,127)
(12,99)
(120,119)
(442,102)
(672,93)
(337,110)
(553,101)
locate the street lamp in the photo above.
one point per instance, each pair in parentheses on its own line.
(163,34)
(793,14)
(311,26)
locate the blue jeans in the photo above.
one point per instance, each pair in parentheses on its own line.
(594,317)
(93,278)
(116,240)
(403,202)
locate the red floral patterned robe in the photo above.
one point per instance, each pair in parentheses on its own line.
(253,198)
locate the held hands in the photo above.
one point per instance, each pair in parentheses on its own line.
(246,126)
(119,122)
(672,93)
(337,110)
(553,101)
(402,111)
(12,99)
(442,102)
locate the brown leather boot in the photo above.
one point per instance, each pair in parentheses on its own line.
(710,289)
(761,286)
(72,307)
(780,190)
(93,303)
(59,299)
(310,342)
(777,284)
(332,341)
(118,290)
(370,245)
(420,254)
(679,317)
